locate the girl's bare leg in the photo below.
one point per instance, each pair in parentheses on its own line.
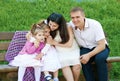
(48,76)
(46,73)
(55,74)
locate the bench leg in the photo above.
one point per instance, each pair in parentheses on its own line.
(8,76)
(12,76)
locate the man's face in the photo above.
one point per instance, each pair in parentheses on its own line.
(77,18)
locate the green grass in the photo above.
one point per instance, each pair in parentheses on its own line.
(20,14)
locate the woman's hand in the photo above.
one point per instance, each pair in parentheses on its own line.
(50,41)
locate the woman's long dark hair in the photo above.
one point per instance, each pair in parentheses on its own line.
(59,19)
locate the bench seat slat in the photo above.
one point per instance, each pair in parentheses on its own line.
(113,59)
(7,68)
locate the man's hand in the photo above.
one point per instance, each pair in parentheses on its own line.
(85,58)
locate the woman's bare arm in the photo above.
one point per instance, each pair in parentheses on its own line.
(67,44)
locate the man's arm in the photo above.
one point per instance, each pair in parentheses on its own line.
(100,47)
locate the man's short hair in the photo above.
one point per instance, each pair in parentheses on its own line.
(75,9)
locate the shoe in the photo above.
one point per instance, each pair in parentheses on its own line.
(56,79)
(48,78)
(51,80)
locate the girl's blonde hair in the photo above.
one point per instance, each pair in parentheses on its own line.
(39,27)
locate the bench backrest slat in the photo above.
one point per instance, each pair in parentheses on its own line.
(2,56)
(6,35)
(4,45)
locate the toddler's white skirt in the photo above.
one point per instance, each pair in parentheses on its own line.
(26,60)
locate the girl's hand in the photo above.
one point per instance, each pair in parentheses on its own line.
(36,43)
(28,35)
(39,56)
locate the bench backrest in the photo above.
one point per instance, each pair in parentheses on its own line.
(10,44)
(5,38)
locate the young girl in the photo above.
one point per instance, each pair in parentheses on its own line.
(51,60)
(26,57)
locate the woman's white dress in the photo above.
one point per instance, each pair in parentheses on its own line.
(68,56)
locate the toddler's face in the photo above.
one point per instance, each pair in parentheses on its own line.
(47,32)
(40,37)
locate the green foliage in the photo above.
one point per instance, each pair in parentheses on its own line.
(20,14)
(114,73)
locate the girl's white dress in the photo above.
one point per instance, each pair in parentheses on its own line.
(68,56)
(26,60)
(51,60)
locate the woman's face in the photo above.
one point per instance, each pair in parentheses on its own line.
(53,26)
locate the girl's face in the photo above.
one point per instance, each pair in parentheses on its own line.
(53,25)
(40,36)
(47,32)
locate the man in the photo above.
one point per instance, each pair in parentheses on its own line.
(93,46)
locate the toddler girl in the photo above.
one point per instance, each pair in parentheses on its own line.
(26,57)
